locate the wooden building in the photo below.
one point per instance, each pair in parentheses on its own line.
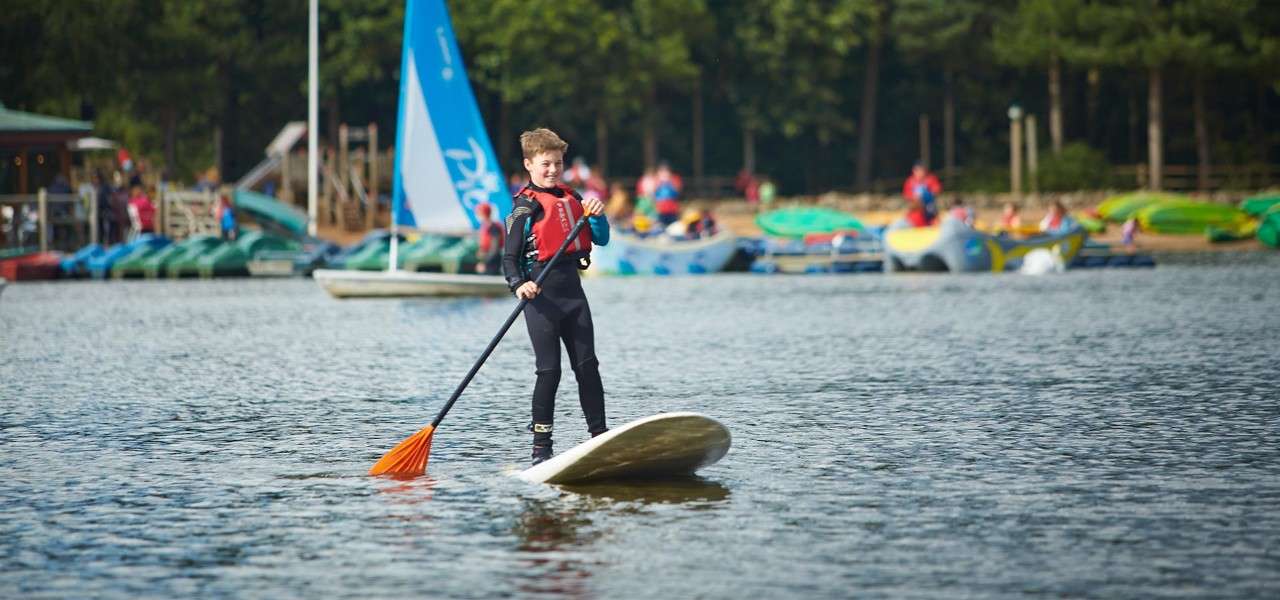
(34,149)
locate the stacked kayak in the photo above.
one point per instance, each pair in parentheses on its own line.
(1269,229)
(798,222)
(183,263)
(439,254)
(20,264)
(1190,217)
(1119,209)
(77,265)
(231,259)
(102,265)
(1262,205)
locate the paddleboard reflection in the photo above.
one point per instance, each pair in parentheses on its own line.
(666,491)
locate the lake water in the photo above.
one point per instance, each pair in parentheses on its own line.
(1096,434)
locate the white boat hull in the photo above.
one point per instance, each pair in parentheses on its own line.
(400,284)
(630,255)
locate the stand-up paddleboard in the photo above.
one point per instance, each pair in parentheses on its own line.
(665,445)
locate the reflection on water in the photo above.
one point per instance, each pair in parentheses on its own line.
(1096,434)
(554,545)
(692,491)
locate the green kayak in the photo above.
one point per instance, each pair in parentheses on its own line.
(1119,209)
(1269,230)
(798,222)
(1260,205)
(1188,217)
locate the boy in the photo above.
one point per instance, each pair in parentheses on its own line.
(542,214)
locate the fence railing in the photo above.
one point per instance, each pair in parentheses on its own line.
(49,221)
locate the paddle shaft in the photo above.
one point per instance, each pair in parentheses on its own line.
(573,234)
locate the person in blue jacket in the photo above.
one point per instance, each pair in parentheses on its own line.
(542,216)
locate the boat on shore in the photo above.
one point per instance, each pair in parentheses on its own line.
(629,254)
(30,264)
(958,248)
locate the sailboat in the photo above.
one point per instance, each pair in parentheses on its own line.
(445,165)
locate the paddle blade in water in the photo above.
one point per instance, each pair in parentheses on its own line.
(409,458)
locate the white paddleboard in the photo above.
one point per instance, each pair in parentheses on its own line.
(662,446)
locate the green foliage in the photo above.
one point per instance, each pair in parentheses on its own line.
(163,75)
(1078,167)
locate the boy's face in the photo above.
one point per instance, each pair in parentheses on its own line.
(545,168)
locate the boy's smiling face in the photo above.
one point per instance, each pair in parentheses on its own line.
(545,168)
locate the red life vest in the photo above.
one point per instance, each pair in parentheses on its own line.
(559,215)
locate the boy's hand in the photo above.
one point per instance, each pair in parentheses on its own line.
(527,290)
(593,206)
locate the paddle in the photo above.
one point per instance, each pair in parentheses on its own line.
(409,458)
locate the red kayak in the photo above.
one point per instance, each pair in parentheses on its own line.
(40,265)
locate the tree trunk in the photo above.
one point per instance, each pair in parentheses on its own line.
(867,139)
(602,144)
(1133,125)
(748,150)
(230,126)
(1155,149)
(335,120)
(949,128)
(505,138)
(1091,105)
(170,142)
(217,152)
(1055,104)
(697,128)
(650,137)
(1260,132)
(1202,134)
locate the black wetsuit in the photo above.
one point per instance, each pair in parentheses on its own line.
(559,313)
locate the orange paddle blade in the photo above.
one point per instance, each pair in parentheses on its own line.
(409,458)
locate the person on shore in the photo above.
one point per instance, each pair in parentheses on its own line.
(747,185)
(489,246)
(226,216)
(1127,234)
(106,217)
(1056,220)
(619,209)
(960,212)
(142,213)
(920,190)
(666,195)
(768,192)
(1010,220)
(542,216)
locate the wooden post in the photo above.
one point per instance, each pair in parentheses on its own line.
(286,187)
(93,216)
(344,158)
(327,186)
(42,214)
(1015,159)
(1032,158)
(373,176)
(162,227)
(924,140)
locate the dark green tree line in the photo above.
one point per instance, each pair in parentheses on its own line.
(819,95)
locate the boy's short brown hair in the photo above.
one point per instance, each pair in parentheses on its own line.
(541,140)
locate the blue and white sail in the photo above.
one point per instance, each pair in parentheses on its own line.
(445,164)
